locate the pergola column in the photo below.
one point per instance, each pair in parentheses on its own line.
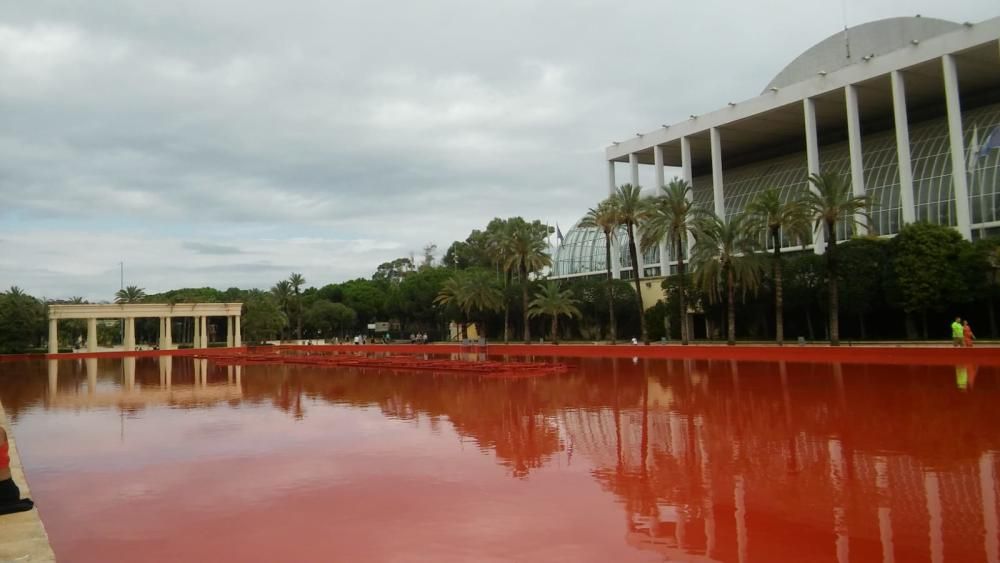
(812,162)
(953,103)
(229,331)
(91,335)
(53,336)
(717,191)
(196,332)
(903,148)
(658,169)
(237,335)
(168,338)
(612,186)
(687,176)
(204,332)
(633,162)
(854,146)
(129,343)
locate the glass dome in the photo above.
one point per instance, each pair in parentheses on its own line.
(581,252)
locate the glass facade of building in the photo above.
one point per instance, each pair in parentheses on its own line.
(933,192)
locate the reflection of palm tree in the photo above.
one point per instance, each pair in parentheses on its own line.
(605,218)
(131,294)
(554,302)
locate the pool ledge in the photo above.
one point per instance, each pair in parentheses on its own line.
(22,535)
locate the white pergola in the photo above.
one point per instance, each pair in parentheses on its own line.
(162,311)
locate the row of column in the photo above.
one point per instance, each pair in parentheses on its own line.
(200,339)
(955,136)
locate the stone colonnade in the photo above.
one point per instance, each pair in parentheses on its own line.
(200,312)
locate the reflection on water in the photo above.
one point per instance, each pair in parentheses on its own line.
(702,461)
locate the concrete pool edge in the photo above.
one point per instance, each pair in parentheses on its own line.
(22,535)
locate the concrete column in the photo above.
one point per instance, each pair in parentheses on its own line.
(196,333)
(91,335)
(612,185)
(717,192)
(633,162)
(237,335)
(658,164)
(91,375)
(686,175)
(129,333)
(812,162)
(903,148)
(854,145)
(163,332)
(204,332)
(229,331)
(954,105)
(168,338)
(53,336)
(129,365)
(53,378)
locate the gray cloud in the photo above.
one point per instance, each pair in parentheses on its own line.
(368,128)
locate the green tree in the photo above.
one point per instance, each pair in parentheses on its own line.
(296,281)
(861,262)
(925,266)
(553,301)
(282,292)
(776,215)
(526,254)
(131,294)
(724,257)
(605,218)
(671,215)
(263,318)
(832,202)
(470,292)
(393,272)
(632,211)
(22,321)
(328,319)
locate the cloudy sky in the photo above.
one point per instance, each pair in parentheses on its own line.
(228,143)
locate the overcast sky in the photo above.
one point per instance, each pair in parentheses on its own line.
(228,143)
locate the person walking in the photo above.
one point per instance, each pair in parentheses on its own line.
(957,333)
(10,495)
(967,336)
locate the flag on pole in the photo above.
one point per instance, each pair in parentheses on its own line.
(973,157)
(992,142)
(559,236)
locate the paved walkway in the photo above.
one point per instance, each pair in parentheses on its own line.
(22,536)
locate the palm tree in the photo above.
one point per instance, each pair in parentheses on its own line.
(722,258)
(282,291)
(471,291)
(830,202)
(554,302)
(131,294)
(15,291)
(499,244)
(770,212)
(527,254)
(672,216)
(297,281)
(632,211)
(605,218)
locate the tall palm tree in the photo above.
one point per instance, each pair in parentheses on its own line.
(671,215)
(770,212)
(297,281)
(282,292)
(527,254)
(830,202)
(499,244)
(632,210)
(131,294)
(722,258)
(15,291)
(471,291)
(553,301)
(605,218)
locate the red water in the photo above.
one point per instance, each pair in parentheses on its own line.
(161,459)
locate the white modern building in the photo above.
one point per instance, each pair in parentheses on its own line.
(903,107)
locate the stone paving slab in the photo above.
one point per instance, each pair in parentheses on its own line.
(22,535)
